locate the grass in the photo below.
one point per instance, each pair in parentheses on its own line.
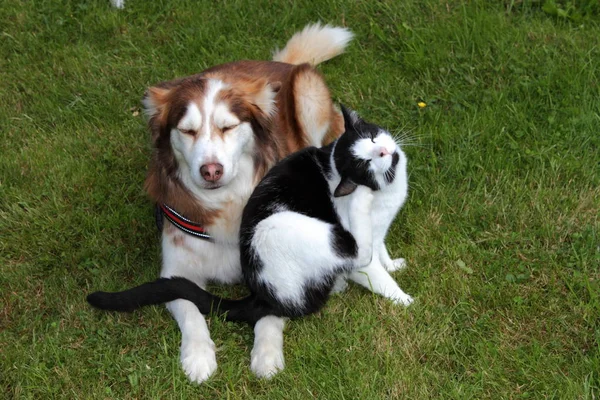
(501,230)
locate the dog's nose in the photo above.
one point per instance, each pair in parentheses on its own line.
(211,172)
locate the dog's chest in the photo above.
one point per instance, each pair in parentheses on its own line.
(226,228)
(200,260)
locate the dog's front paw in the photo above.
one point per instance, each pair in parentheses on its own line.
(395,265)
(198,359)
(403,299)
(267,361)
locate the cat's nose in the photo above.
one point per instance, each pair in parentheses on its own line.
(383,151)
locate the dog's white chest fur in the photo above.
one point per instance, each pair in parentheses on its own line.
(198,259)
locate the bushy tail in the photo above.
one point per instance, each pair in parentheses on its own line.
(314,44)
(164,290)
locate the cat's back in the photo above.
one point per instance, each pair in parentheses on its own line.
(297,183)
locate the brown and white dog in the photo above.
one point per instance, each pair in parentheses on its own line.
(215,135)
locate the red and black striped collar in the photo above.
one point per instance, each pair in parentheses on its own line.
(181,222)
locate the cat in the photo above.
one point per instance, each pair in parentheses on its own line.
(318,218)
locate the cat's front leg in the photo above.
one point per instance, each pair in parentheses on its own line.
(388,263)
(267,354)
(375,278)
(340,285)
(360,224)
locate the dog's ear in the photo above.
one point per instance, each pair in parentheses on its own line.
(345,187)
(262,94)
(154,100)
(155,107)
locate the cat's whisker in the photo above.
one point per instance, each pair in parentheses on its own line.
(403,131)
(410,138)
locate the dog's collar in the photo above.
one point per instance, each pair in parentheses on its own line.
(181,222)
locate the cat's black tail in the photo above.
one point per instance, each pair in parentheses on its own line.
(163,290)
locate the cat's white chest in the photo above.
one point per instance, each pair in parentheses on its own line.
(387,201)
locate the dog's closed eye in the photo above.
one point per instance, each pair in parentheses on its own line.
(228,128)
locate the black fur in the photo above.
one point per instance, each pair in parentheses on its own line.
(164,290)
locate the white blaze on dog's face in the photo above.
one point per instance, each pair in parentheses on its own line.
(208,125)
(209,140)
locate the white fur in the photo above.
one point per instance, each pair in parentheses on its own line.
(315,131)
(192,120)
(385,205)
(265,100)
(360,223)
(199,261)
(230,149)
(197,349)
(294,249)
(324,42)
(224,118)
(267,354)
(202,261)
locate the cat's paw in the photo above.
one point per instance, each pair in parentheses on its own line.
(340,285)
(403,300)
(266,361)
(198,359)
(363,199)
(395,265)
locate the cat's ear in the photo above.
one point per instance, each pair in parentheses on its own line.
(351,118)
(345,187)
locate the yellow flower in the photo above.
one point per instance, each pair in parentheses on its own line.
(422,104)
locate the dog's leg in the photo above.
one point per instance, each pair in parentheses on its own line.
(375,278)
(267,354)
(197,349)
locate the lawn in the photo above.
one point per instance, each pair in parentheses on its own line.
(501,230)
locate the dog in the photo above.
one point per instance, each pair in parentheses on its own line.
(214,136)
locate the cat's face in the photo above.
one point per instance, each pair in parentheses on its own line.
(365,154)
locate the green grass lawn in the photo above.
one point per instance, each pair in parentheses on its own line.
(501,230)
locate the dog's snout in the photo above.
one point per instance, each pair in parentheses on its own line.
(211,172)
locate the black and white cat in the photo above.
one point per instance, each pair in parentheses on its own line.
(318,217)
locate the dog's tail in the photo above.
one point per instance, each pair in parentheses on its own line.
(164,290)
(314,44)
